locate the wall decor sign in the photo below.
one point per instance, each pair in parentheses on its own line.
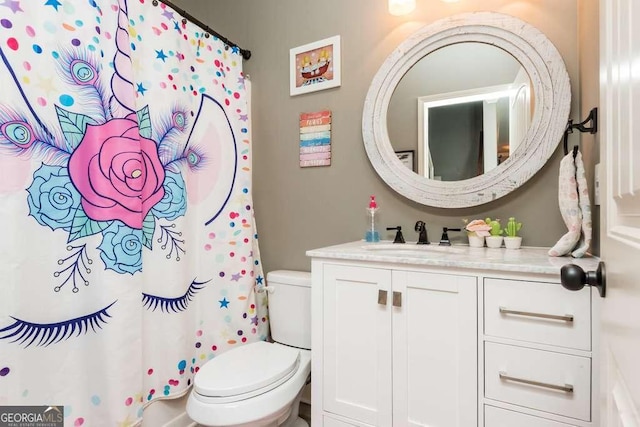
(315,66)
(315,139)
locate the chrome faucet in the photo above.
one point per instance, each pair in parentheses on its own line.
(421,228)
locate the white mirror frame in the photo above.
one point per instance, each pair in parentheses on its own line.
(551,88)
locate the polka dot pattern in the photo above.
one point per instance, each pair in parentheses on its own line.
(174,66)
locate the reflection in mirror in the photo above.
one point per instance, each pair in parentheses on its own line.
(463,108)
(458,142)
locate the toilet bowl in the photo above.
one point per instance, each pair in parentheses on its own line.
(260,384)
(254,385)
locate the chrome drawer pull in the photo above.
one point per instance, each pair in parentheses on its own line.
(566,317)
(382,297)
(567,388)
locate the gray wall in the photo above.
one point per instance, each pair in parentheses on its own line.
(300,209)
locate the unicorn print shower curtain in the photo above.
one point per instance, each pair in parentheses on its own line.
(129,252)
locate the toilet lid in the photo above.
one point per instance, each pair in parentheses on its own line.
(245,369)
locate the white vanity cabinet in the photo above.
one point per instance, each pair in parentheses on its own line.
(466,338)
(396,345)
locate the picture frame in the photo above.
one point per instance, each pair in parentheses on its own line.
(315,66)
(407,158)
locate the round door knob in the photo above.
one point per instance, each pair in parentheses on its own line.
(574,278)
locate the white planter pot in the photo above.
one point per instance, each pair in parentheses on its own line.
(512,242)
(493,241)
(476,241)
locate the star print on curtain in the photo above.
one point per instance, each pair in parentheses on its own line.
(129,252)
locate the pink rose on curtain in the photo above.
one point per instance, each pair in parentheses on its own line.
(117,172)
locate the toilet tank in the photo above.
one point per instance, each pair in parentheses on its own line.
(290,307)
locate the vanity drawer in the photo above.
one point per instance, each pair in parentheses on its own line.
(498,417)
(544,313)
(551,382)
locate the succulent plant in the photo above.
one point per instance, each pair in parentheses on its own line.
(513,227)
(495,226)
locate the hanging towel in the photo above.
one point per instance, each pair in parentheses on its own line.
(575,207)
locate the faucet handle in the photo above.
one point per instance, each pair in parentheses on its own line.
(444,240)
(399,238)
(421,228)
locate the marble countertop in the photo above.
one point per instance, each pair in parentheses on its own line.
(525,260)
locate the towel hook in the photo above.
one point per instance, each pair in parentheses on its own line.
(592,118)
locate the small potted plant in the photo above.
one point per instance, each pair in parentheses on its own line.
(477,230)
(512,240)
(495,239)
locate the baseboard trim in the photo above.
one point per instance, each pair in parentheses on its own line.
(181,420)
(168,412)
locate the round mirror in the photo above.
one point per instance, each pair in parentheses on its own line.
(466,110)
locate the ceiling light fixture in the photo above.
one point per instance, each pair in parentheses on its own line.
(401,7)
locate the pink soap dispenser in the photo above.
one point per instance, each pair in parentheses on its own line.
(372,234)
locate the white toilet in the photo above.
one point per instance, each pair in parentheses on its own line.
(260,384)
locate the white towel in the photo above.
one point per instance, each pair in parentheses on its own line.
(573,200)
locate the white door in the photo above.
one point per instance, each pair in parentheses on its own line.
(519,109)
(435,361)
(620,155)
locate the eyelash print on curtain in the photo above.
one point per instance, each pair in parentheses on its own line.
(124,134)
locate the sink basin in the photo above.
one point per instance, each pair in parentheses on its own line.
(412,249)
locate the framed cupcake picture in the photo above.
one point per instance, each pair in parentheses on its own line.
(315,66)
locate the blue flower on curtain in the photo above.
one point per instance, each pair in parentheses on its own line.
(53,200)
(174,202)
(121,248)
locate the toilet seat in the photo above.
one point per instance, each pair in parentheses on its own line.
(259,410)
(246,371)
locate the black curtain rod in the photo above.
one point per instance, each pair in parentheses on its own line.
(246,54)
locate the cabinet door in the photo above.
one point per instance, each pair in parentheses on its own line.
(357,343)
(435,350)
